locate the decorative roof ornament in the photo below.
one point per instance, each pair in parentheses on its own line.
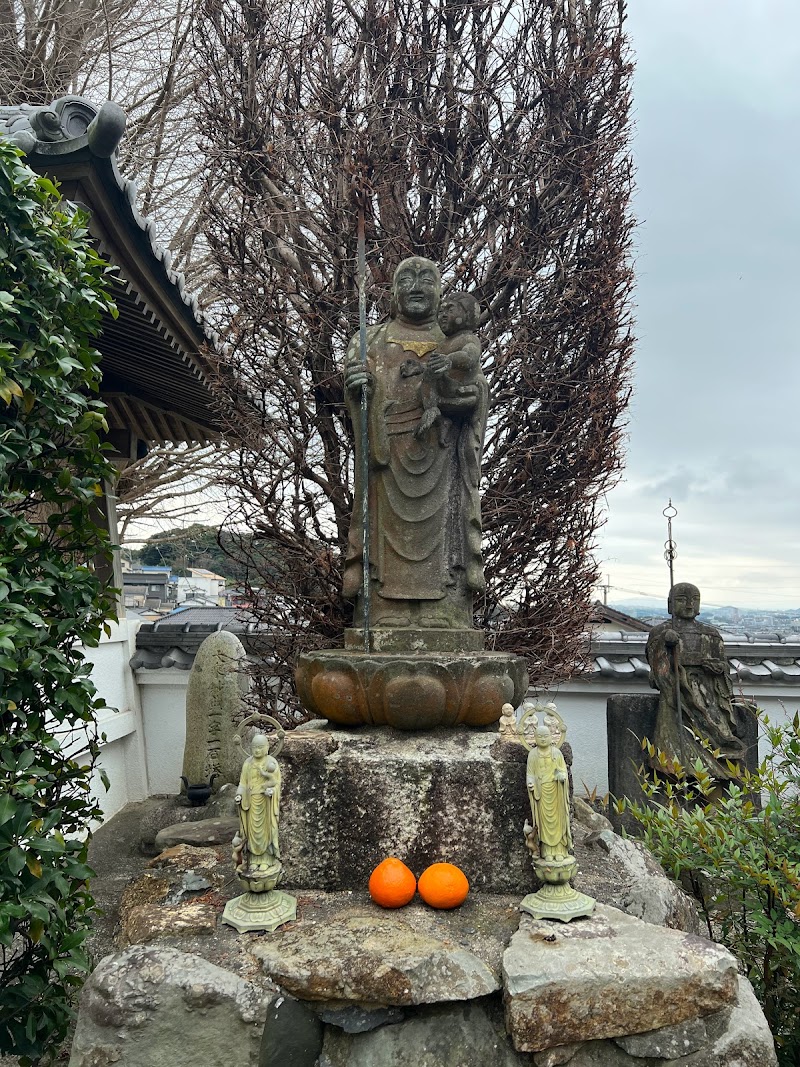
(67,125)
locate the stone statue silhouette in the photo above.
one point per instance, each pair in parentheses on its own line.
(708,709)
(424,507)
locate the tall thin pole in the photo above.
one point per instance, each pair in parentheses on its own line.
(670,552)
(364,426)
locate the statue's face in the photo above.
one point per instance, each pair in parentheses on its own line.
(259,748)
(451,317)
(416,290)
(685,601)
(544,738)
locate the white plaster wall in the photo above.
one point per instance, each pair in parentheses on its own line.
(162,694)
(122,751)
(582,706)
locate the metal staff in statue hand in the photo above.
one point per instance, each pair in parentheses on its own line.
(671,638)
(360,377)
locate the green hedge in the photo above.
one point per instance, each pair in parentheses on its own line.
(52,466)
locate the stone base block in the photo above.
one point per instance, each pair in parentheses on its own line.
(429,640)
(411,690)
(351,798)
(609,976)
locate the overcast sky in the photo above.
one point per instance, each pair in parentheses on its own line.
(714,419)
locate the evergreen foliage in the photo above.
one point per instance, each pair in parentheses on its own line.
(52,467)
(741,861)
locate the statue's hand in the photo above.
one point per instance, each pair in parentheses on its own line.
(560,776)
(671,638)
(238,798)
(356,377)
(439,364)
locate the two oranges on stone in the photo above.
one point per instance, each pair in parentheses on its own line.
(442,885)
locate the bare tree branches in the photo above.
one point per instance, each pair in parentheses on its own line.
(164,487)
(494,140)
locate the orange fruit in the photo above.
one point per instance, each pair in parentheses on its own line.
(443,885)
(392,884)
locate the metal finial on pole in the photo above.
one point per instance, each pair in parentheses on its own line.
(364,412)
(670,552)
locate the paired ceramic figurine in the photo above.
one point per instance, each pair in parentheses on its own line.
(256,853)
(549,838)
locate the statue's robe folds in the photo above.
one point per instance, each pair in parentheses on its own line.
(549,797)
(706,693)
(424,506)
(258,812)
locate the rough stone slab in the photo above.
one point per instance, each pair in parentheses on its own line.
(738,1036)
(352,797)
(454,1036)
(202,833)
(161,811)
(745,1042)
(156,1007)
(608,976)
(186,858)
(292,1035)
(670,1042)
(358,952)
(555,1057)
(149,922)
(357,1020)
(646,892)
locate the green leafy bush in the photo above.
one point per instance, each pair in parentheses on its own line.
(741,862)
(52,467)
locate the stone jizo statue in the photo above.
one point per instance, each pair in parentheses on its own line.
(428,401)
(548,792)
(254,850)
(707,707)
(549,838)
(258,801)
(418,402)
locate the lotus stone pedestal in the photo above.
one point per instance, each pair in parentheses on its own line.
(411,680)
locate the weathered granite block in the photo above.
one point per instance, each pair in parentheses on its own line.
(629,718)
(343,952)
(608,976)
(152,1006)
(352,797)
(451,1036)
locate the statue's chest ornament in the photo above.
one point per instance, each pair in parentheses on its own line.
(419,348)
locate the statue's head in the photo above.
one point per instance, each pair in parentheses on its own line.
(684,601)
(416,290)
(459,311)
(259,745)
(543,737)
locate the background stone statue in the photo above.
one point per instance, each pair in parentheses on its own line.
(428,402)
(218,684)
(706,693)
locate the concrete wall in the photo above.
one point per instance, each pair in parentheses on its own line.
(122,753)
(162,694)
